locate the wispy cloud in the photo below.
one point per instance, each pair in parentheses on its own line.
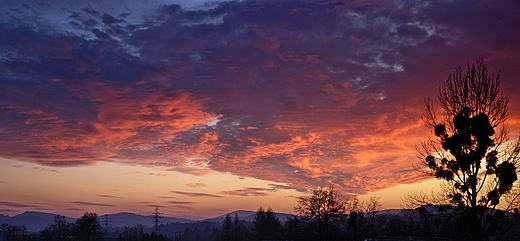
(82,203)
(166,197)
(179,202)
(155,205)
(287,187)
(18,205)
(195,184)
(182,207)
(107,196)
(197,194)
(248,192)
(45,169)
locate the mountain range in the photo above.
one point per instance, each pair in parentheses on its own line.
(37,221)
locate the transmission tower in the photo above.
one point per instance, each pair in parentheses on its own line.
(156,219)
(107,222)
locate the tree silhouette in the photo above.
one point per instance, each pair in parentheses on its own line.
(374,218)
(60,230)
(266,225)
(471,152)
(226,233)
(365,219)
(240,231)
(323,208)
(13,232)
(87,227)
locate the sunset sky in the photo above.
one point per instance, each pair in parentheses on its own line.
(201,108)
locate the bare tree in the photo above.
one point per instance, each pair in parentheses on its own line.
(365,219)
(471,151)
(375,218)
(323,207)
(60,229)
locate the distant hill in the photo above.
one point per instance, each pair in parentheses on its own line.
(33,221)
(2,218)
(247,216)
(37,221)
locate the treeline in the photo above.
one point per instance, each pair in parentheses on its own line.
(361,221)
(85,228)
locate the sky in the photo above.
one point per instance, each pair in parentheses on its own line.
(206,107)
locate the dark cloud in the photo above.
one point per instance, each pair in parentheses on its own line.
(298,92)
(179,202)
(107,19)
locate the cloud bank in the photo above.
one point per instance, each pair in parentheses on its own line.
(298,92)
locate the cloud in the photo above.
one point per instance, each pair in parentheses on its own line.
(286,187)
(82,203)
(182,207)
(318,93)
(258,192)
(166,197)
(45,169)
(195,184)
(155,206)
(18,205)
(179,202)
(197,194)
(158,174)
(107,196)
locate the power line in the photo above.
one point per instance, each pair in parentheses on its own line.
(107,222)
(156,216)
